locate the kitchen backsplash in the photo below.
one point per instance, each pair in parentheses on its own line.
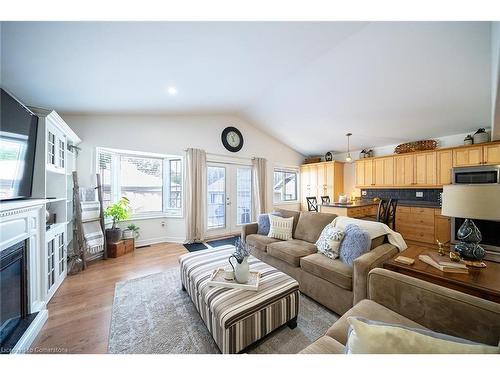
(428,195)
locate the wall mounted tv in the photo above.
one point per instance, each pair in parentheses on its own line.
(18,128)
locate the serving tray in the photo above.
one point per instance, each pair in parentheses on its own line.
(217,279)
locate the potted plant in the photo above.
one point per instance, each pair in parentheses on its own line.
(135,230)
(118,212)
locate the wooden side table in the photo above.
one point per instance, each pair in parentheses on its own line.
(120,248)
(483,283)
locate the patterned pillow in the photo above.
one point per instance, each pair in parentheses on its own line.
(281,228)
(263,224)
(356,242)
(328,242)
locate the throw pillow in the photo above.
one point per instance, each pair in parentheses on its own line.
(263,224)
(280,227)
(370,337)
(356,242)
(328,242)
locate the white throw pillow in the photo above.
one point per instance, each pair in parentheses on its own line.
(329,241)
(280,227)
(370,337)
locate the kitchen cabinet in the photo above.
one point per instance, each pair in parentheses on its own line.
(425,168)
(444,165)
(491,154)
(321,179)
(364,172)
(326,180)
(404,168)
(423,224)
(383,171)
(442,227)
(467,156)
(355,211)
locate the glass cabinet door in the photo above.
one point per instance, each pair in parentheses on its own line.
(62,153)
(50,264)
(61,253)
(51,148)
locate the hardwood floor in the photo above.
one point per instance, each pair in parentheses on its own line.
(80,311)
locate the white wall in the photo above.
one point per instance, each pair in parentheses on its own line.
(349,168)
(172,134)
(495,66)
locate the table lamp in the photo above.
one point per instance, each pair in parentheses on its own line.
(477,201)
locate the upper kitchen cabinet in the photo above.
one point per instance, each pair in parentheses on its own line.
(444,165)
(364,173)
(384,171)
(491,154)
(404,166)
(467,156)
(321,179)
(425,169)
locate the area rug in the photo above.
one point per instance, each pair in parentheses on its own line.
(195,246)
(151,314)
(224,241)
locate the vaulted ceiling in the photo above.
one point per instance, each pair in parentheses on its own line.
(306,83)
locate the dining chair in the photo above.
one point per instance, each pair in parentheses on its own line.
(325,199)
(382,211)
(312,204)
(390,218)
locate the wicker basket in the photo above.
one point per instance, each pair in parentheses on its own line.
(312,160)
(427,145)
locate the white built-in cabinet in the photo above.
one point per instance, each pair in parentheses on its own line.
(52,180)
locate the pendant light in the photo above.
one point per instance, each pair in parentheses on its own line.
(348,158)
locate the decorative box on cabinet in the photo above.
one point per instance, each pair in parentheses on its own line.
(120,248)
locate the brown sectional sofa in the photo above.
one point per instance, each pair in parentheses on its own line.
(399,299)
(332,283)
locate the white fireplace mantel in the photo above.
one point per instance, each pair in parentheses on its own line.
(20,221)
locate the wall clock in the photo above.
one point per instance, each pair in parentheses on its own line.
(232,139)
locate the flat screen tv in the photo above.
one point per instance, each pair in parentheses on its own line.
(18,128)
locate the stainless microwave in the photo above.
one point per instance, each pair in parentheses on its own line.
(490,230)
(485,174)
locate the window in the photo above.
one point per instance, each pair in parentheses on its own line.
(175,183)
(284,185)
(152,183)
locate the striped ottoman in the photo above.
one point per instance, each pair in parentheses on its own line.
(237,318)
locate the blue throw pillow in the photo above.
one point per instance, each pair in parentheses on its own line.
(356,242)
(263,224)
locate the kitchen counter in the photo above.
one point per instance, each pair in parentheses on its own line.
(362,203)
(419,204)
(365,203)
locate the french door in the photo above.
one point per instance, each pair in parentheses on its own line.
(229,198)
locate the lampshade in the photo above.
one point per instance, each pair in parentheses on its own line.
(478,201)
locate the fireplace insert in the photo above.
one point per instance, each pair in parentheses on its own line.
(13,293)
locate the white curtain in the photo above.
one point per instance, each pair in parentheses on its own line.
(259,178)
(196,182)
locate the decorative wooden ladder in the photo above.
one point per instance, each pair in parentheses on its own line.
(80,251)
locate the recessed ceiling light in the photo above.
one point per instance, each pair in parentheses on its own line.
(172,90)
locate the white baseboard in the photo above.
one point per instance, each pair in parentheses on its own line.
(152,241)
(24,343)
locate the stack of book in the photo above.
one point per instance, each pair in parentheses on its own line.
(443,262)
